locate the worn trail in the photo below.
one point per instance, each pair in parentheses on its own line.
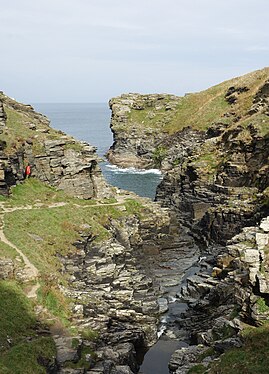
(31,273)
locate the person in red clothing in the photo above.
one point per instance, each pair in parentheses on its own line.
(27,171)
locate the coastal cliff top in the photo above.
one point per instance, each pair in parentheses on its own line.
(235,100)
(22,125)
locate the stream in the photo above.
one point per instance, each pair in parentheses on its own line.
(170,268)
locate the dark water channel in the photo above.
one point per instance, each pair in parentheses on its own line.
(170,268)
(157,358)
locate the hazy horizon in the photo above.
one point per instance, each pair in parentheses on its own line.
(89,51)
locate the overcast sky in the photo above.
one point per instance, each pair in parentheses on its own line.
(91,50)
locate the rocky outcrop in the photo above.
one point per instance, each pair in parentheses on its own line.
(136,123)
(229,292)
(222,183)
(2,118)
(55,158)
(115,290)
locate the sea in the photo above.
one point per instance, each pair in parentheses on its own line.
(90,122)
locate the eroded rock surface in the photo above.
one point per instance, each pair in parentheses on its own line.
(54,157)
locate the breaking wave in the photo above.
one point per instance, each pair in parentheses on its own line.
(131,170)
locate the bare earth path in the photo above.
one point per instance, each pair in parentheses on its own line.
(30,271)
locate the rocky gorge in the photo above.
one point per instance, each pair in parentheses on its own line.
(119,270)
(213,148)
(108,287)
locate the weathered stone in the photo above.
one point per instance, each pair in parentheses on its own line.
(262,240)
(65,350)
(224,345)
(251,256)
(163,305)
(7,268)
(264,225)
(184,358)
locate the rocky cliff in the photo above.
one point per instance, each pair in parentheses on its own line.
(102,269)
(54,157)
(137,124)
(108,269)
(213,145)
(213,149)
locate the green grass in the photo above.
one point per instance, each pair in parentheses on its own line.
(262,306)
(197,369)
(200,110)
(50,297)
(33,191)
(44,233)
(17,130)
(7,252)
(21,347)
(17,319)
(28,357)
(58,228)
(252,358)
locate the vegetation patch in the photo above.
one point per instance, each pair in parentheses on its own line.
(50,297)
(159,155)
(33,191)
(197,369)
(252,358)
(7,252)
(21,346)
(44,232)
(31,357)
(262,306)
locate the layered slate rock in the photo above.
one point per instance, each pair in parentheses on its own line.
(136,124)
(54,157)
(221,184)
(229,292)
(115,290)
(2,117)
(148,130)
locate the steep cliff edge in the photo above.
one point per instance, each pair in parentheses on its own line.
(213,149)
(54,157)
(150,130)
(222,184)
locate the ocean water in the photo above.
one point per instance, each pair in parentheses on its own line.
(90,122)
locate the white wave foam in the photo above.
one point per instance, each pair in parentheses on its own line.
(163,319)
(171,299)
(132,170)
(161,331)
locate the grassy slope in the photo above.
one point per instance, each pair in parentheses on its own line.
(252,358)
(18,130)
(42,233)
(200,110)
(21,347)
(53,230)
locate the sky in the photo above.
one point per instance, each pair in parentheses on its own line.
(92,50)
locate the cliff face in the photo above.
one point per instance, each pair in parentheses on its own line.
(137,125)
(213,149)
(151,130)
(223,183)
(55,158)
(227,296)
(213,146)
